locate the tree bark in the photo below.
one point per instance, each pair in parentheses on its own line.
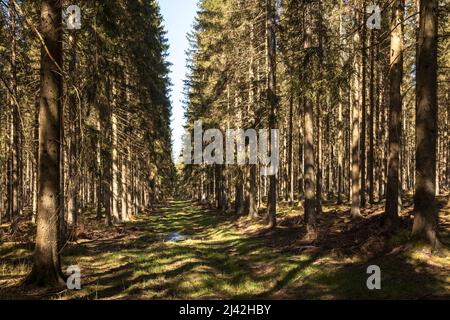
(309,158)
(273,101)
(74,129)
(47,267)
(355,133)
(395,112)
(371,156)
(15,148)
(425,209)
(290,149)
(115,157)
(363,106)
(319,101)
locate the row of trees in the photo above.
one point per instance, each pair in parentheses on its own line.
(356,106)
(90,131)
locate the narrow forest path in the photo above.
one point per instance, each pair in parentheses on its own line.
(185,251)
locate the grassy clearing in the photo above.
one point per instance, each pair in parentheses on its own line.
(225,256)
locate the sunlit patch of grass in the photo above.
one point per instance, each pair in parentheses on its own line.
(18,269)
(423,252)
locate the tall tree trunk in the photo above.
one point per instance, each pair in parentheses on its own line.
(125,171)
(447,161)
(100,167)
(74,176)
(301,153)
(309,160)
(371,156)
(107,161)
(426,213)
(395,112)
(35,163)
(47,267)
(290,148)
(355,134)
(340,123)
(363,106)
(319,164)
(99,172)
(130,180)
(273,102)
(15,148)
(115,156)
(253,95)
(124,188)
(9,179)
(340,150)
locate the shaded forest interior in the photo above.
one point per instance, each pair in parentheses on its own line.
(360,96)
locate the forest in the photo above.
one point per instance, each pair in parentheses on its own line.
(96,203)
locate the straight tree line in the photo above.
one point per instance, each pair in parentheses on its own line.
(84,119)
(362,112)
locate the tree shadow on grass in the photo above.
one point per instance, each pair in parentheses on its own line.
(219,261)
(400,279)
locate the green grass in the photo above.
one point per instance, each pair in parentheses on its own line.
(219,260)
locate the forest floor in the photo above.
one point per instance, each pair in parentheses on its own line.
(187,251)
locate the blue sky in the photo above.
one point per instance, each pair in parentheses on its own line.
(179,17)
